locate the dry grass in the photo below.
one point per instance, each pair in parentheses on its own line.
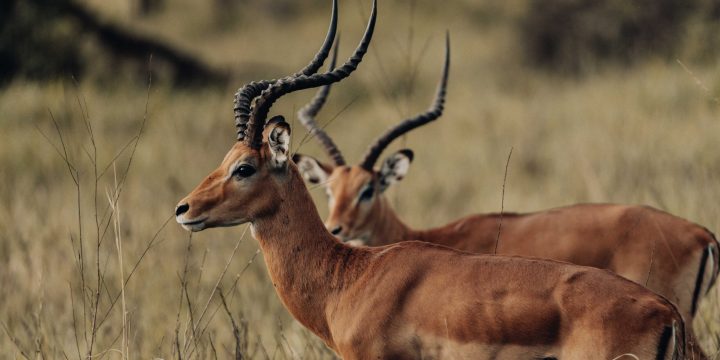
(646,135)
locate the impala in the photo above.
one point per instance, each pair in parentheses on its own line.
(412,299)
(672,256)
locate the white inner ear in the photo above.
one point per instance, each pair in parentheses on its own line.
(311,170)
(393,170)
(279,141)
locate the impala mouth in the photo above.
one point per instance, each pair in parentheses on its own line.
(194,225)
(344,237)
(361,239)
(356,243)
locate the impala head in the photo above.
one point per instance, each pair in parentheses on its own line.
(243,187)
(355,191)
(246,184)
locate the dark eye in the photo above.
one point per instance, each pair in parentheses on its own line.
(244,171)
(367,193)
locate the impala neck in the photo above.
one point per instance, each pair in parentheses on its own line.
(307,265)
(388,228)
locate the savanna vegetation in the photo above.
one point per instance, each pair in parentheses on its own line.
(98,145)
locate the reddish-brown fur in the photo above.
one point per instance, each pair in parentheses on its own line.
(640,243)
(414,299)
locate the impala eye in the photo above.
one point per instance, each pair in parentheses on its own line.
(367,193)
(244,171)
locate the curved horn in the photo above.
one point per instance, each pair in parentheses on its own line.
(245,95)
(290,84)
(374,151)
(307,114)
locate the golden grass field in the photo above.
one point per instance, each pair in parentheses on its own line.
(646,135)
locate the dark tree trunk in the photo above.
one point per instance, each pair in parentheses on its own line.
(149,7)
(186,68)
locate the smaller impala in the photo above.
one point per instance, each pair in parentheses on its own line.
(674,257)
(413,300)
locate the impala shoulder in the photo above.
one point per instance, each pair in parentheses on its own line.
(348,263)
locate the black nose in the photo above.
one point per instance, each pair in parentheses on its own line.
(181,209)
(336,230)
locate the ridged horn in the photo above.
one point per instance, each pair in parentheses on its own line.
(287,85)
(245,95)
(435,111)
(307,115)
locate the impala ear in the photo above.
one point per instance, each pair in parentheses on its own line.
(395,167)
(313,170)
(278,140)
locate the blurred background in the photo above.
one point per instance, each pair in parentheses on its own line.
(110,112)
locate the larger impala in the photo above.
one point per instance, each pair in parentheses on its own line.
(672,256)
(414,299)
